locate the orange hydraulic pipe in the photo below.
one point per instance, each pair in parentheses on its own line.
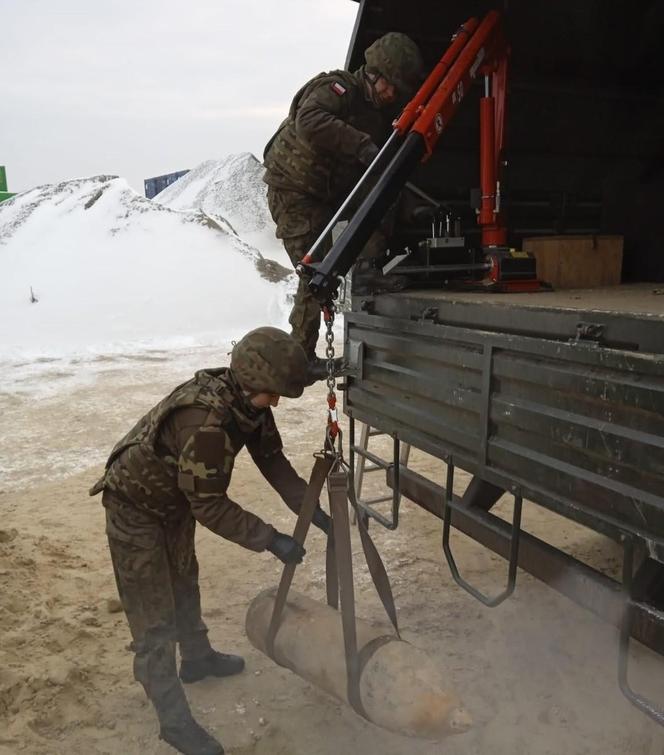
(453,88)
(493,232)
(413,109)
(487,162)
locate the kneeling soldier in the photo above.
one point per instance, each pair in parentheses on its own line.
(172,470)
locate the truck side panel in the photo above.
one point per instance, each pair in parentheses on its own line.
(577,426)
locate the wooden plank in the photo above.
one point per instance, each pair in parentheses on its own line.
(577,261)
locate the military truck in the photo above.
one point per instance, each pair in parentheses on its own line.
(554,396)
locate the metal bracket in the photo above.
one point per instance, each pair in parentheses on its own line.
(341,290)
(589,331)
(642,703)
(367,305)
(428,313)
(355,360)
(396,260)
(449,505)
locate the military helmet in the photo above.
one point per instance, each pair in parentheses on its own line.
(268,360)
(398,59)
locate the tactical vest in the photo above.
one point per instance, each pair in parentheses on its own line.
(292,164)
(137,473)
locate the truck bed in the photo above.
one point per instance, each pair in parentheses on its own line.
(636,299)
(559,394)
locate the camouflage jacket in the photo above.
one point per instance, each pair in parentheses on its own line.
(181,455)
(314,150)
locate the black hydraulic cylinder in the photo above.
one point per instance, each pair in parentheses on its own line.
(347,248)
(387,152)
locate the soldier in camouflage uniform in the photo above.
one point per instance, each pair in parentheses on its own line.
(320,151)
(173,470)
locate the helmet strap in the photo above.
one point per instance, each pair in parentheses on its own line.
(370,76)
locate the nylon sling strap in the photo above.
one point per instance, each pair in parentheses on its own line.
(374,563)
(337,492)
(339,573)
(337,488)
(376,567)
(331,578)
(319,474)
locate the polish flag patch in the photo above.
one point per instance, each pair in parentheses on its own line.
(338,88)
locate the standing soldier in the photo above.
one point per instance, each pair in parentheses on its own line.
(172,470)
(320,151)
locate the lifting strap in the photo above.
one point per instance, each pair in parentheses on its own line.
(339,571)
(319,473)
(340,493)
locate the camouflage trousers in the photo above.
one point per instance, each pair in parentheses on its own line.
(300,220)
(156,572)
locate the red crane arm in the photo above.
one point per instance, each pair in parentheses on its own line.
(476,50)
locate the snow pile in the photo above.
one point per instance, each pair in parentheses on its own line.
(231,188)
(115,272)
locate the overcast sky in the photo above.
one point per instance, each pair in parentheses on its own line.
(138,88)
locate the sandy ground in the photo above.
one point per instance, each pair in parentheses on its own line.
(537,673)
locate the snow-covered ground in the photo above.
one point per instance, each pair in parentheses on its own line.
(115,273)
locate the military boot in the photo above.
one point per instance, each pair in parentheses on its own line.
(214,664)
(368,278)
(176,723)
(318,369)
(190,738)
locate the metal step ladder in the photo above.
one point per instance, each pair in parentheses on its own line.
(369,462)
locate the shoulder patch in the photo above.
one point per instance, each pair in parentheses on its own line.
(338,88)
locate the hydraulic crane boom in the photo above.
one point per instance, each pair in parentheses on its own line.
(477,49)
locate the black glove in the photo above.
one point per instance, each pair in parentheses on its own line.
(321,520)
(367,152)
(286,548)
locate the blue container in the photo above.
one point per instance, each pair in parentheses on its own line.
(154,185)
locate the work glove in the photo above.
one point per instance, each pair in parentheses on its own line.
(321,520)
(286,548)
(367,152)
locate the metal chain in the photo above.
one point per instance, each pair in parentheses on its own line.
(333,432)
(329,349)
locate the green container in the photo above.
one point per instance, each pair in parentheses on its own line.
(4,194)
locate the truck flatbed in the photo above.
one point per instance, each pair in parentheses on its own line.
(634,299)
